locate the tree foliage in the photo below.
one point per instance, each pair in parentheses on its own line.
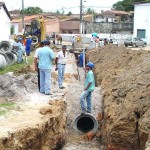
(32,10)
(69,13)
(89,11)
(126,5)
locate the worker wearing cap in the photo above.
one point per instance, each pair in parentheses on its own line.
(89,86)
(60,62)
(28,45)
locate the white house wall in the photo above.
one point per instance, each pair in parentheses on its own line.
(142,19)
(4,25)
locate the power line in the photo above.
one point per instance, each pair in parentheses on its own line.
(65,8)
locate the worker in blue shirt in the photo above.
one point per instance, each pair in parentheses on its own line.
(19,46)
(28,45)
(45,58)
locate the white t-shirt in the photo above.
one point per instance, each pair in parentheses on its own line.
(92,39)
(61,58)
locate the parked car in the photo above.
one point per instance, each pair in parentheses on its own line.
(134,42)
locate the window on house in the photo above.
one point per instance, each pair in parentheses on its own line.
(141,33)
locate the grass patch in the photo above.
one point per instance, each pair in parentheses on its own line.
(7,105)
(2,112)
(17,66)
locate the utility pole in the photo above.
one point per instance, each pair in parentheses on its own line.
(81,6)
(92,19)
(23,15)
(82,30)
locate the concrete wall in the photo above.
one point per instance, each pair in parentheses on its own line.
(110,27)
(120,37)
(142,19)
(4,25)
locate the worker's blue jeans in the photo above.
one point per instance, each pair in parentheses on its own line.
(61,71)
(45,81)
(19,56)
(85,101)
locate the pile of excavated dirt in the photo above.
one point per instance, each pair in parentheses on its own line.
(124,76)
(24,70)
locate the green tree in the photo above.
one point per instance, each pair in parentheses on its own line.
(32,10)
(58,12)
(69,13)
(126,5)
(89,11)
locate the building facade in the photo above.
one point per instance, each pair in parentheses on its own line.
(5,23)
(142,21)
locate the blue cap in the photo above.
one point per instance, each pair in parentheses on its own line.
(19,39)
(90,64)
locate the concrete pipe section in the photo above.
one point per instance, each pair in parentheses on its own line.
(12,58)
(85,123)
(3,62)
(5,56)
(5,46)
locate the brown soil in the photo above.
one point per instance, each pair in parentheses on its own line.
(24,70)
(124,75)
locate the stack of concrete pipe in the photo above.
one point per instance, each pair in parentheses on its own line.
(8,56)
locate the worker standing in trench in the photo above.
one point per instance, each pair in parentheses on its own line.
(60,62)
(89,86)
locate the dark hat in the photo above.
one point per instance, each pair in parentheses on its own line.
(64,46)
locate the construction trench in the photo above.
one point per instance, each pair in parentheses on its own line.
(120,106)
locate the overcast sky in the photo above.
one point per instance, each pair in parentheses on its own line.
(66,5)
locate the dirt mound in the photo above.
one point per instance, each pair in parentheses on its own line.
(124,75)
(23,70)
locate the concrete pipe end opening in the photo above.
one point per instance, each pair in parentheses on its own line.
(85,123)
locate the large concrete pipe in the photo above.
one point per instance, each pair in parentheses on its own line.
(5,56)
(12,58)
(15,54)
(85,123)
(5,46)
(3,62)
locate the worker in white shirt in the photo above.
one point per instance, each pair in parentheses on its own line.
(60,62)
